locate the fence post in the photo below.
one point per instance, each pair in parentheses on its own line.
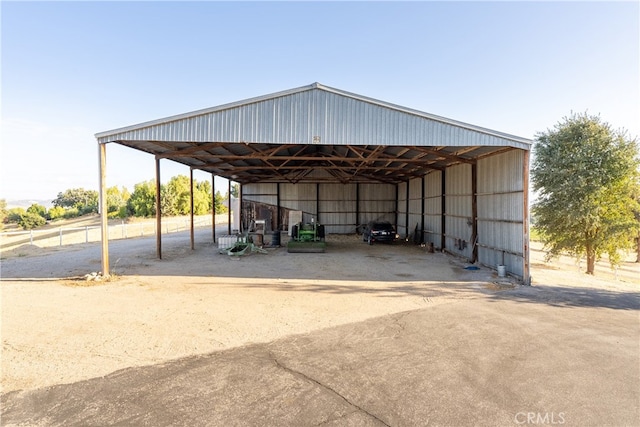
(86,234)
(31,237)
(60,236)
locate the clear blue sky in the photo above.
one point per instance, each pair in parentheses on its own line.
(72,69)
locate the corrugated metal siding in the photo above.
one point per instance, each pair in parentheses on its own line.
(309,116)
(402,209)
(300,197)
(415,205)
(337,210)
(433,208)
(337,205)
(260,192)
(501,211)
(458,205)
(377,202)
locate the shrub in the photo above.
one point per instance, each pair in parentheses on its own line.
(71,213)
(56,212)
(31,220)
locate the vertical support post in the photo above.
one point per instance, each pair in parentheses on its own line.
(526,272)
(406,212)
(443,210)
(318,202)
(397,207)
(192,235)
(158,212)
(229,210)
(422,193)
(278,213)
(357,205)
(213,207)
(241,213)
(474,212)
(104,224)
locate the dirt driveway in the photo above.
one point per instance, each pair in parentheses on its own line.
(200,303)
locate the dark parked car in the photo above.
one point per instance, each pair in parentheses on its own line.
(379,231)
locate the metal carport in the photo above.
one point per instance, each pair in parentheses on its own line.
(466,186)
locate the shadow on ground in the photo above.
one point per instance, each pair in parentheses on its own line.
(474,362)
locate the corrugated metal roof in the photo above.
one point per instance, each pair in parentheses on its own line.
(316,127)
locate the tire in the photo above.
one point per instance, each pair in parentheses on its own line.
(321,232)
(294,232)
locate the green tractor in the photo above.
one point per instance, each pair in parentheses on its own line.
(307,238)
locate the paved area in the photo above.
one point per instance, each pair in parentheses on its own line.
(526,356)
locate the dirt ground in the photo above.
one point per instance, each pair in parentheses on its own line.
(57,328)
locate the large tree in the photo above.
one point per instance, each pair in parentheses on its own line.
(85,201)
(142,202)
(586,175)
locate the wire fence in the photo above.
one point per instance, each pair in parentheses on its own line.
(61,236)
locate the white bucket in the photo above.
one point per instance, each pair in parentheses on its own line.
(502,271)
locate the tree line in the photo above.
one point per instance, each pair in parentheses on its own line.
(175,199)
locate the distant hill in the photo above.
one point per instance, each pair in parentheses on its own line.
(25,203)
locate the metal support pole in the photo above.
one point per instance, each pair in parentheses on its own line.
(526,271)
(229,210)
(318,202)
(104,224)
(193,241)
(357,205)
(397,207)
(213,207)
(158,212)
(278,213)
(474,213)
(406,212)
(443,210)
(241,214)
(422,193)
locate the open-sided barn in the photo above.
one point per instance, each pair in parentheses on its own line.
(345,159)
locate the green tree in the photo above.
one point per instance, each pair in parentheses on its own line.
(142,202)
(14,214)
(38,210)
(3,212)
(202,203)
(220,203)
(179,189)
(31,220)
(585,174)
(116,199)
(85,201)
(168,201)
(235,190)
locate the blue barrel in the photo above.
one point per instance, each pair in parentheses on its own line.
(275,238)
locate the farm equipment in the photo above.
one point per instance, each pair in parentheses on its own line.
(307,238)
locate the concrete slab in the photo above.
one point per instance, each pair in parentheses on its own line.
(528,356)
